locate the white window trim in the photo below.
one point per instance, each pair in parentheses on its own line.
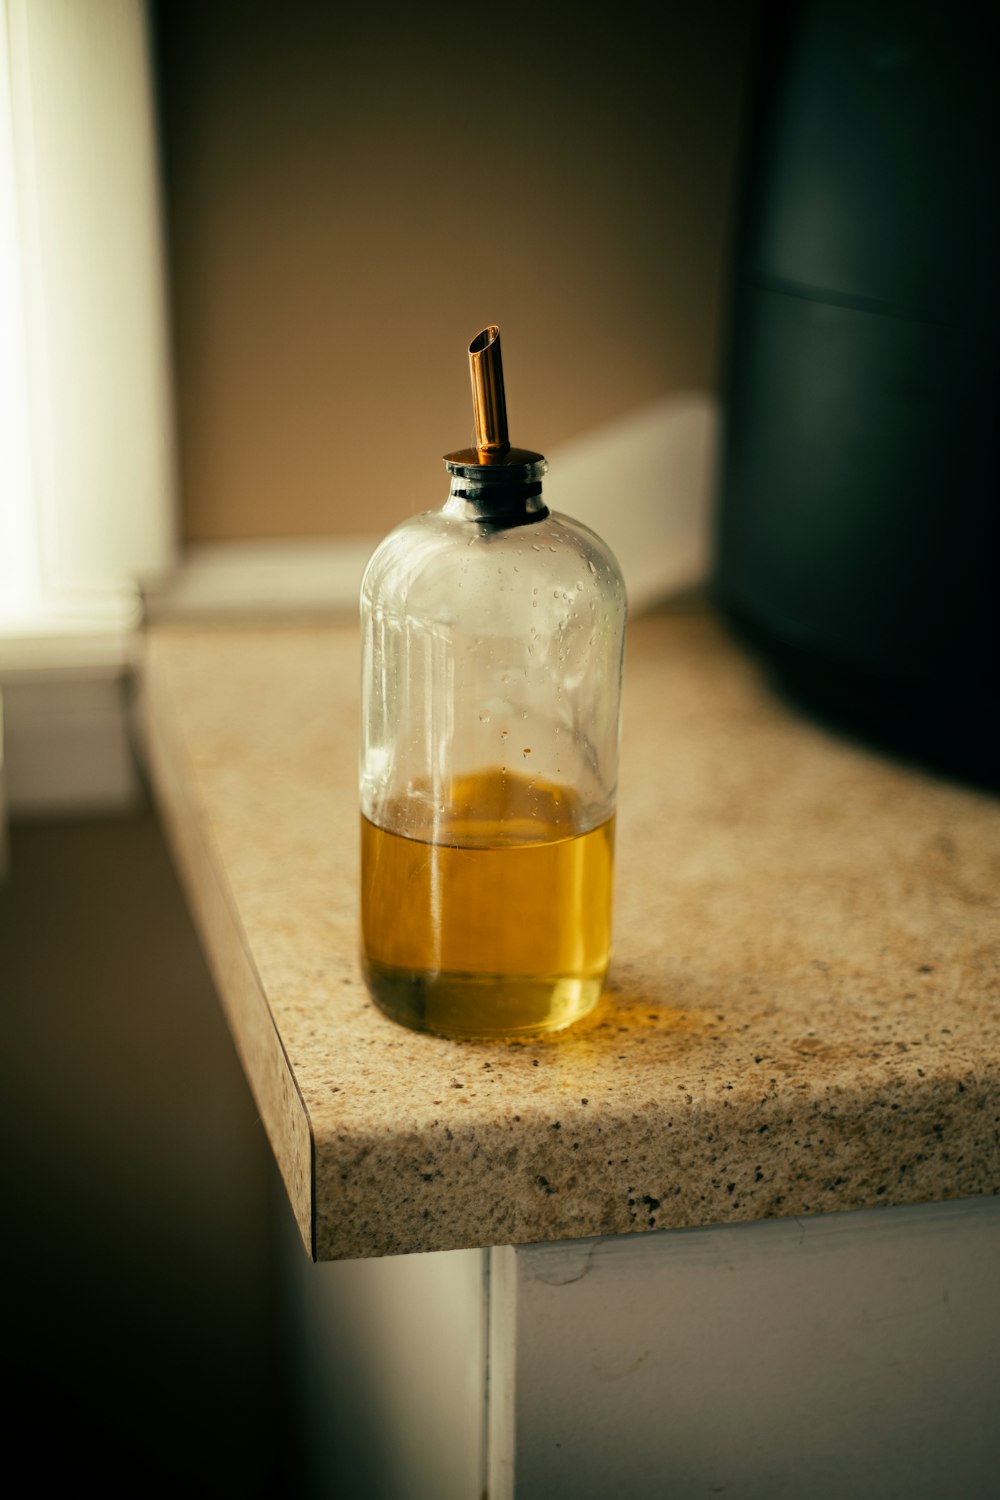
(87,474)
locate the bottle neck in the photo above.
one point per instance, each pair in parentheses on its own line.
(507,492)
(514,506)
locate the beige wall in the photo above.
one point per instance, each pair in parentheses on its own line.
(352,196)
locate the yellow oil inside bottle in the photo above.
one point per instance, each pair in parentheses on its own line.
(497,926)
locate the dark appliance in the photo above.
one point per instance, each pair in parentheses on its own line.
(857,529)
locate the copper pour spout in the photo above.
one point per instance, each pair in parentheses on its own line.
(488,401)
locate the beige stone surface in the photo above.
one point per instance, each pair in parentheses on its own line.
(803,1013)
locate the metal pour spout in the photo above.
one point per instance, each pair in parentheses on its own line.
(488,402)
(493,464)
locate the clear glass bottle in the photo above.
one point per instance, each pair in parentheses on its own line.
(493,634)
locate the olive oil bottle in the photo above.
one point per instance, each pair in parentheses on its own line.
(493,633)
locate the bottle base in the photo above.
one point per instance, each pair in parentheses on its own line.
(481,1007)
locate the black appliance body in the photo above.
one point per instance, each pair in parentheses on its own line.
(857,529)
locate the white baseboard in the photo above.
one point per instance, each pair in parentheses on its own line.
(645,483)
(225,580)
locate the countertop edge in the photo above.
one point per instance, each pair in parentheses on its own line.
(896,1146)
(251,1023)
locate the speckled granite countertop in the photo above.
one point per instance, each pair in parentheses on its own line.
(803,1014)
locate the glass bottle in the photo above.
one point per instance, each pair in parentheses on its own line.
(493,634)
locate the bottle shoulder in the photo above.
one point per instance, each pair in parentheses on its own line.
(592,546)
(434,555)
